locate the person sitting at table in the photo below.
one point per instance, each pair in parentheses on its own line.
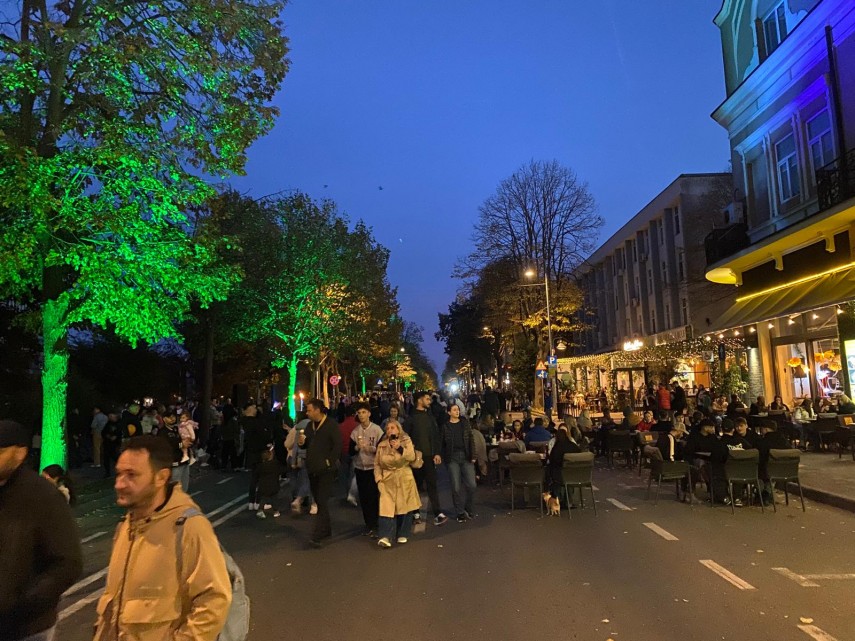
(735,406)
(671,444)
(562,445)
(778,404)
(646,422)
(771,439)
(803,418)
(758,406)
(719,405)
(514,432)
(630,419)
(664,424)
(845,405)
(526,422)
(537,434)
(730,439)
(743,431)
(695,421)
(704,450)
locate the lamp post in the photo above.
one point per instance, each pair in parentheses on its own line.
(530,273)
(395,377)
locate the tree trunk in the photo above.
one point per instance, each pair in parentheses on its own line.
(292,387)
(54,381)
(324,371)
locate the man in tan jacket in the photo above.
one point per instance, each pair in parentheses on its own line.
(148,597)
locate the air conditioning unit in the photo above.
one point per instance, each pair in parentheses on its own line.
(734,213)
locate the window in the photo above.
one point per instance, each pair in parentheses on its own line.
(640,324)
(788,168)
(676,221)
(637,285)
(634,251)
(664,273)
(681,266)
(666,319)
(684,310)
(649,280)
(652,321)
(819,140)
(775,28)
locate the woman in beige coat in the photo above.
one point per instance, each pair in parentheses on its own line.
(399,496)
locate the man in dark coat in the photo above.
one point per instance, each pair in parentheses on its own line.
(40,553)
(322,440)
(423,429)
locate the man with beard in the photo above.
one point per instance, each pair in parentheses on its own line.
(40,555)
(156,589)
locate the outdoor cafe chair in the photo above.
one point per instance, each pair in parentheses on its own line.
(541,447)
(742,467)
(783,466)
(619,442)
(577,471)
(845,434)
(663,470)
(504,449)
(526,472)
(825,427)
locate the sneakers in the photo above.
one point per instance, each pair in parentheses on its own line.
(253,507)
(441,519)
(469,515)
(402,539)
(267,506)
(369,533)
(384,543)
(313,509)
(297,504)
(352,500)
(260,514)
(462,517)
(277,514)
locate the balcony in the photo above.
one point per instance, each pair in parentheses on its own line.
(726,241)
(835,182)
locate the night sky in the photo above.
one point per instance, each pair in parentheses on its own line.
(409,113)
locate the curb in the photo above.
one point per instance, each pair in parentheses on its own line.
(822,496)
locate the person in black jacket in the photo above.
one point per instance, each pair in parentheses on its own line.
(563,445)
(423,430)
(40,552)
(458,451)
(111,443)
(322,440)
(771,439)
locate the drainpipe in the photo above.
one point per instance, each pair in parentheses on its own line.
(834,85)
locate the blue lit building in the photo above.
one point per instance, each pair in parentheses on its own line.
(787,241)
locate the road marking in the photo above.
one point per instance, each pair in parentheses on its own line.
(74,607)
(727,575)
(830,577)
(82,583)
(816,633)
(225,518)
(619,505)
(226,480)
(197,493)
(79,605)
(92,537)
(798,578)
(665,534)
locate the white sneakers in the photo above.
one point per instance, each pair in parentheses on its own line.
(253,507)
(296,504)
(402,539)
(384,543)
(313,509)
(260,514)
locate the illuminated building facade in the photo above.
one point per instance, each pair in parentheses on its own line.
(787,241)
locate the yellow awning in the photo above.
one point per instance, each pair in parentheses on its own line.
(827,290)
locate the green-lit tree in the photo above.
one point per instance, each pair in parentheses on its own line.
(111,115)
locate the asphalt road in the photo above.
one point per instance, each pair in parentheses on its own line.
(634,572)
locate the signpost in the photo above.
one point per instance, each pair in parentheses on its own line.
(335,380)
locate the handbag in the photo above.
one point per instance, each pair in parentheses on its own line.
(417,462)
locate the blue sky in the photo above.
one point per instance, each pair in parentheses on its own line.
(436,102)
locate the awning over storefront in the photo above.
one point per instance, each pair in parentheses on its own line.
(824,291)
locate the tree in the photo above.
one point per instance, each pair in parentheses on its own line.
(111,115)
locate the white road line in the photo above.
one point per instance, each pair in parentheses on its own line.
(82,583)
(816,633)
(665,534)
(197,493)
(92,537)
(619,505)
(225,518)
(727,575)
(798,578)
(830,577)
(79,605)
(226,480)
(225,507)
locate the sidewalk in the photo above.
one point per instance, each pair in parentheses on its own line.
(828,479)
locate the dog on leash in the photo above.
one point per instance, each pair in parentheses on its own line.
(553,505)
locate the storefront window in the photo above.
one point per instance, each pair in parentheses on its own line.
(793,372)
(826,355)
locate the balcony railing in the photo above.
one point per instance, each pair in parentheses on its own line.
(726,241)
(836,181)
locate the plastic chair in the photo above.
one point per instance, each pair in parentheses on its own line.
(645,440)
(742,467)
(526,471)
(540,447)
(577,470)
(619,442)
(845,434)
(783,466)
(504,449)
(662,470)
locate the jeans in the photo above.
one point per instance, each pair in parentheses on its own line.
(461,469)
(426,476)
(388,525)
(44,635)
(181,475)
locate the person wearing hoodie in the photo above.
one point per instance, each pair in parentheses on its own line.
(160,586)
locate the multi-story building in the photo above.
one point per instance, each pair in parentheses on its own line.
(787,242)
(644,288)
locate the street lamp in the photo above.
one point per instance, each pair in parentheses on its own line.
(530,273)
(395,378)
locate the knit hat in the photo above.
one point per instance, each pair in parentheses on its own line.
(13,434)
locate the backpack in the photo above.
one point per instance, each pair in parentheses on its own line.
(236,627)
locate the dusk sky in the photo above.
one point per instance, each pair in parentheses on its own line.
(437,102)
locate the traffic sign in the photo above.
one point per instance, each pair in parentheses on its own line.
(541,366)
(541,373)
(553,361)
(335,380)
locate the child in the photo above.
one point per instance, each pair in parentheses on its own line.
(265,476)
(297,462)
(187,429)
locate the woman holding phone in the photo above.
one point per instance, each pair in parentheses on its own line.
(399,495)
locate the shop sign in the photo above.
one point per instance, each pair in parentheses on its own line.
(673,335)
